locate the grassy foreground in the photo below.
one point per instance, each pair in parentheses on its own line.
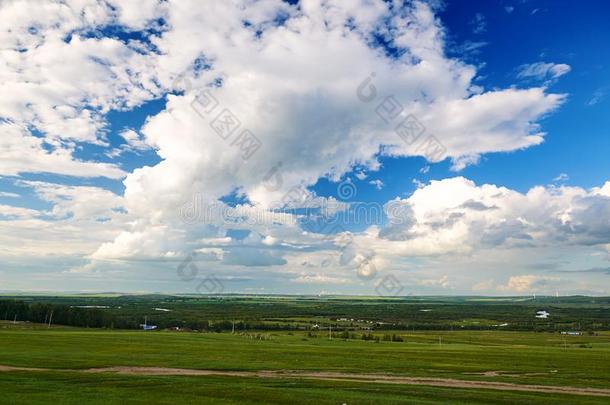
(516,357)
(75,388)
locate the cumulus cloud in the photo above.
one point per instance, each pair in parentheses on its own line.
(134,140)
(79,219)
(529,283)
(59,75)
(267,79)
(21,152)
(265,75)
(76,202)
(236,71)
(9,211)
(456,216)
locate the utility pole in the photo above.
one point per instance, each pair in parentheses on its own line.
(50,318)
(233,328)
(330,332)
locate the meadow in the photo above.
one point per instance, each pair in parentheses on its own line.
(55,363)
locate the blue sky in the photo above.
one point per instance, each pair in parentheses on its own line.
(105,150)
(533,31)
(542,31)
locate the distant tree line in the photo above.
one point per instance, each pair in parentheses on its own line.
(14,310)
(209,318)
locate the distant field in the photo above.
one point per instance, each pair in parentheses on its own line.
(523,358)
(217,313)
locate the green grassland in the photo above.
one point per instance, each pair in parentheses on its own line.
(585,361)
(520,357)
(77,389)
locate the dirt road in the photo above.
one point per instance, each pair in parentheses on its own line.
(333,376)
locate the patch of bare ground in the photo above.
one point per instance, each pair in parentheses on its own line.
(334,376)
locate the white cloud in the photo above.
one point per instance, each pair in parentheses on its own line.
(543,71)
(133,139)
(441,282)
(80,203)
(528,283)
(63,76)
(21,152)
(457,216)
(377,183)
(58,78)
(361,175)
(317,278)
(16,212)
(273,85)
(79,220)
(85,75)
(418,183)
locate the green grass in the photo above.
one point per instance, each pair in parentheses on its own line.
(534,358)
(523,357)
(75,388)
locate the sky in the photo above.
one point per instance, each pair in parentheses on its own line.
(317,147)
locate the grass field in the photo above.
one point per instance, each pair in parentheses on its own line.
(71,388)
(513,357)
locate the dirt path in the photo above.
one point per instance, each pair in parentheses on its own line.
(332,376)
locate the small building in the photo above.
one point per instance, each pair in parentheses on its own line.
(146,326)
